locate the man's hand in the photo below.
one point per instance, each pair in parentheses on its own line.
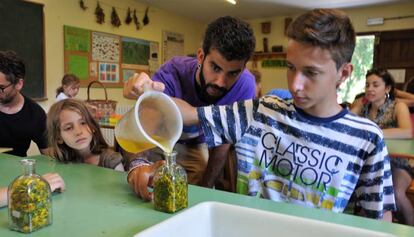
(141,177)
(55,181)
(136,84)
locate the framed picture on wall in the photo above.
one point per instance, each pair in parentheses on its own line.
(172,45)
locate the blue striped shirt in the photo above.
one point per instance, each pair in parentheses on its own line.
(287,155)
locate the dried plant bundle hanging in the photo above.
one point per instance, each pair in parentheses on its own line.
(82,5)
(128,18)
(100,15)
(136,21)
(115,21)
(145,20)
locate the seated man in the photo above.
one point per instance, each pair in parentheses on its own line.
(217,76)
(21,119)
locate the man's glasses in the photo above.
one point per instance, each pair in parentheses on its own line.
(4,88)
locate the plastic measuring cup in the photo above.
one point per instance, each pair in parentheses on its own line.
(155,120)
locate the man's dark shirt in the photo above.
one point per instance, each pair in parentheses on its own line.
(19,129)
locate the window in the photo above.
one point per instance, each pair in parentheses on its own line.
(362,61)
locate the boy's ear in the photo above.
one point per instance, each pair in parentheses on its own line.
(345,72)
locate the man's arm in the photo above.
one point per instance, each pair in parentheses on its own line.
(188,112)
(403,95)
(217,158)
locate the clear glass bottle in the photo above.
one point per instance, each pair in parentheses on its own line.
(29,200)
(170,186)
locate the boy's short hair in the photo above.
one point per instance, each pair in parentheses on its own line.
(232,37)
(328,29)
(12,66)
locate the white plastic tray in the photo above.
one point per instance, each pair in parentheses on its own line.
(213,219)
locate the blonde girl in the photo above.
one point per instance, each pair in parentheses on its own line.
(69,88)
(74,136)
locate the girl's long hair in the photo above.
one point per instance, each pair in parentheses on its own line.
(59,150)
(67,80)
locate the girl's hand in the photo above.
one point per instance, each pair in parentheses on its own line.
(55,181)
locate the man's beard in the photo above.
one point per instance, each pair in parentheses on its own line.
(203,87)
(6,100)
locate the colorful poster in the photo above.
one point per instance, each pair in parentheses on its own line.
(135,51)
(77,39)
(78,65)
(108,72)
(105,47)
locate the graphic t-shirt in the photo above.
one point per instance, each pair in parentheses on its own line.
(284,154)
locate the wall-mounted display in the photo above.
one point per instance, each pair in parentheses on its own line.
(108,58)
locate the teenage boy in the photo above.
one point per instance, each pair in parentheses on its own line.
(309,150)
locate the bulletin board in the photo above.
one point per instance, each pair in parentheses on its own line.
(108,58)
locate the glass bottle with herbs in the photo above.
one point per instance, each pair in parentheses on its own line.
(170,186)
(29,200)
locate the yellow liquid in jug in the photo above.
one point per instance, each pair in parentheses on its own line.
(136,147)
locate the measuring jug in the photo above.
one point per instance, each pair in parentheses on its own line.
(155,120)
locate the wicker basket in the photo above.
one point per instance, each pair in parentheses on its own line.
(101,109)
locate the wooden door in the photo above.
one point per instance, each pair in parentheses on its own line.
(395,50)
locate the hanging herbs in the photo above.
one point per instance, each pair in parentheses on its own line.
(145,20)
(115,21)
(100,15)
(128,18)
(82,5)
(136,22)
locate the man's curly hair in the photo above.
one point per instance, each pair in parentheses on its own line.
(12,66)
(232,37)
